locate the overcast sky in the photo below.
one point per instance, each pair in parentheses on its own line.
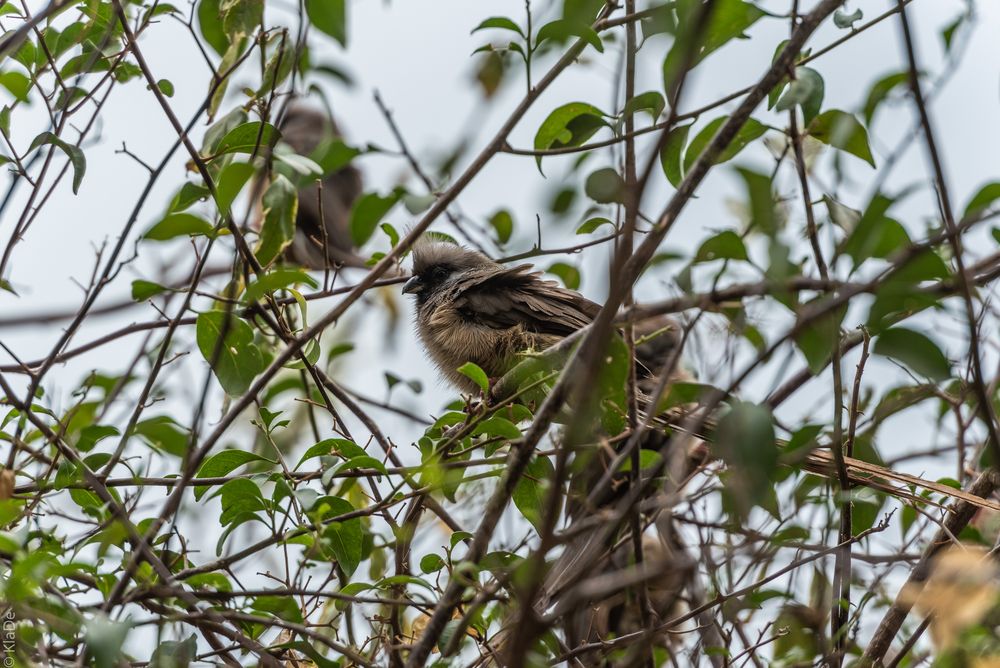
(417,55)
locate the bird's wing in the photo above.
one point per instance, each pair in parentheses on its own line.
(516,296)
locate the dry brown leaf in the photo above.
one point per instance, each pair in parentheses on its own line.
(293,659)
(6,484)
(417,629)
(963,586)
(987,662)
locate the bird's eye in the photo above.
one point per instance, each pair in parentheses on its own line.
(440,272)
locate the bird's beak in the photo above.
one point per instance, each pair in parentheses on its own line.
(413,286)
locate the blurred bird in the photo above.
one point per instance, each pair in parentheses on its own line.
(472,309)
(328,226)
(961,594)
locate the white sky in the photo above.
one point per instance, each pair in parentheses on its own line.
(417,55)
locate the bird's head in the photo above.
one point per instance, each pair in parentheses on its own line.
(435,263)
(304,128)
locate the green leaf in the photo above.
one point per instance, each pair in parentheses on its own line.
(670,156)
(333,155)
(352,589)
(431,563)
(281,205)
(344,448)
(866,504)
(230,59)
(343,539)
(240,18)
(248,138)
(225,462)
(417,204)
(901,291)
(76,157)
(875,234)
(165,87)
(174,653)
(983,198)
(605,186)
(880,91)
(498,426)
(237,360)
(681,393)
(761,196)
(104,639)
(91,435)
(17,83)
(647,460)
(729,20)
(281,607)
(591,224)
(71,36)
(750,131)
(842,19)
(210,24)
(69,96)
(805,91)
(219,129)
(333,446)
(611,382)
(530,493)
(276,280)
(726,245)
(567,273)
(503,223)
(363,462)
(143,290)
(914,350)
(651,102)
(279,65)
(948,32)
(780,269)
(841,215)
(477,375)
(569,125)
(561,29)
(367,214)
(330,17)
(396,580)
(820,336)
(745,442)
(27,54)
(230,182)
(178,225)
(841,130)
(501,22)
(187,196)
(162,433)
(240,499)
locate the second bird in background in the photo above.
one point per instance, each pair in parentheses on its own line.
(323,219)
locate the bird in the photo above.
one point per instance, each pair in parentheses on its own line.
(470,308)
(304,129)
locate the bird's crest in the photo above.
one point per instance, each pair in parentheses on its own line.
(427,254)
